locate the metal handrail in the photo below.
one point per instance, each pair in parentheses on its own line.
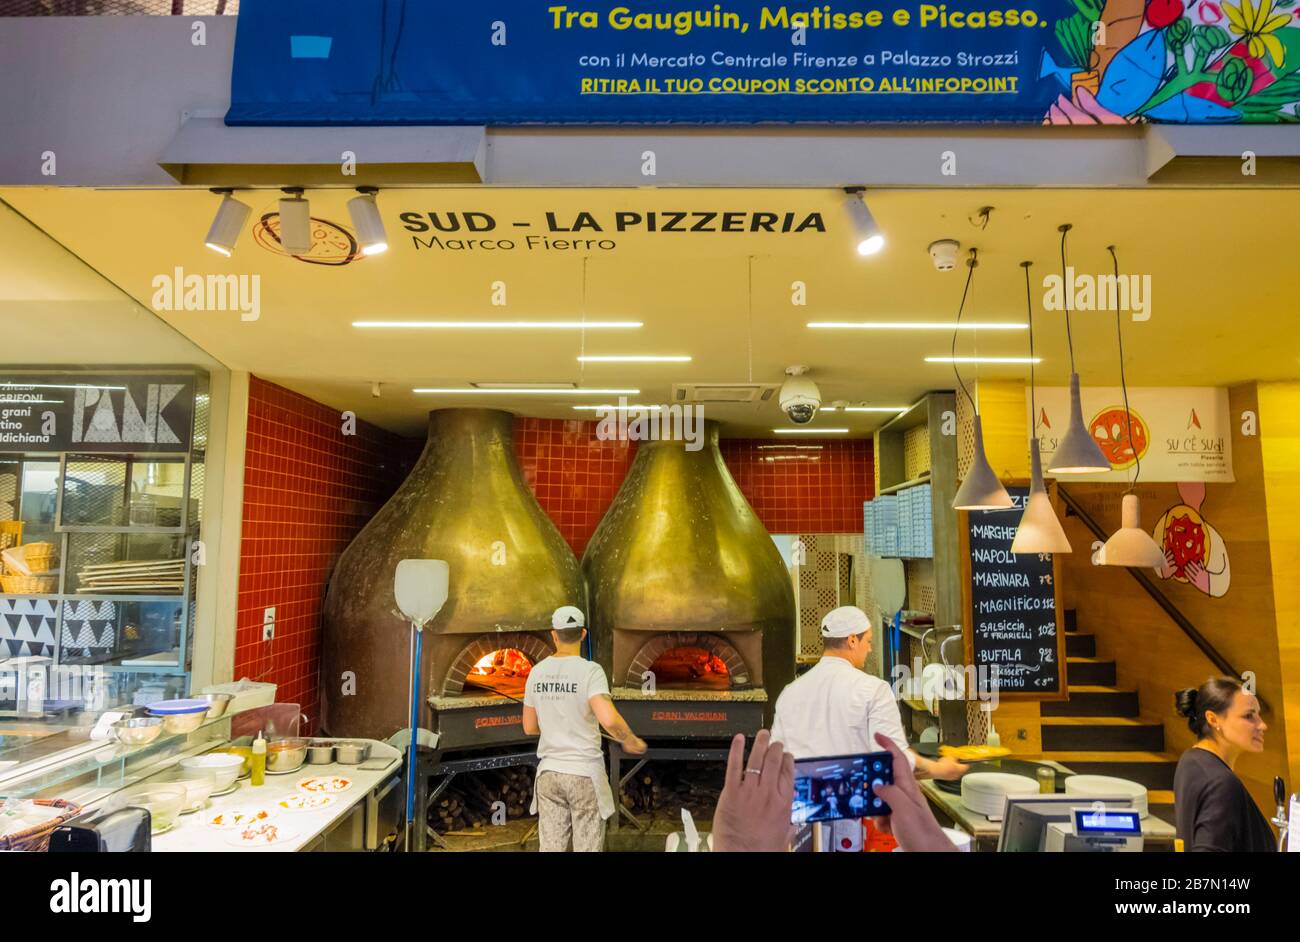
(1169,608)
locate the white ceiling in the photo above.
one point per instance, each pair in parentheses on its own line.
(1221,265)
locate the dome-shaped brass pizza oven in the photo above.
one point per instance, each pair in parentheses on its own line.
(466,502)
(681,572)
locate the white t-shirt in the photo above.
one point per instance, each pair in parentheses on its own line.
(836,710)
(558,689)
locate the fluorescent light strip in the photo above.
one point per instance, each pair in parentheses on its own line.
(501,325)
(54,386)
(633,359)
(628,408)
(983,359)
(865,409)
(912,325)
(531,391)
(792,447)
(811,431)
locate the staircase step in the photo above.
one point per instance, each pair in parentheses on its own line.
(1090,670)
(1071,620)
(1101,734)
(1088,700)
(1080,645)
(1155,770)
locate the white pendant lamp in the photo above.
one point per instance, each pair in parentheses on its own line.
(1078,452)
(980,489)
(1130,545)
(1040,530)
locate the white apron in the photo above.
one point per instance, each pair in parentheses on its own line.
(599,781)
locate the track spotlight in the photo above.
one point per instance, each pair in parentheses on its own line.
(227,224)
(295,222)
(870,239)
(366,220)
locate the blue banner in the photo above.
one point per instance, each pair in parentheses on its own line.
(505,62)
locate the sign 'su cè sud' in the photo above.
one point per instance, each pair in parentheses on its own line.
(336,62)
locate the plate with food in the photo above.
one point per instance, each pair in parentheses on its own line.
(325,784)
(230,818)
(973,753)
(257,834)
(304,801)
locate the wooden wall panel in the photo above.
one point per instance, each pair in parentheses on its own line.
(1152,653)
(1279,415)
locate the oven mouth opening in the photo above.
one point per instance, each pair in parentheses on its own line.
(689,660)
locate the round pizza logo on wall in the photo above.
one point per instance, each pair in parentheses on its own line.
(331,243)
(1110,429)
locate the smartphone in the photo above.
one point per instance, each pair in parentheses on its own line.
(838,787)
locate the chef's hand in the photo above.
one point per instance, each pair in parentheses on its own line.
(634,745)
(910,820)
(1170,566)
(753,812)
(947,768)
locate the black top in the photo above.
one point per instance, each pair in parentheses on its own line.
(1214,810)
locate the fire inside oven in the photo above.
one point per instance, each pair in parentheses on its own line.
(689,666)
(503,671)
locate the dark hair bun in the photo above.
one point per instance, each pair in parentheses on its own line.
(1185,702)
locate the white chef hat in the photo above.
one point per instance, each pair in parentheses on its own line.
(844,622)
(566,617)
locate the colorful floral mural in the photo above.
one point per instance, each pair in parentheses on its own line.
(1176,61)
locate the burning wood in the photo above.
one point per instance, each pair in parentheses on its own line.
(691,667)
(503,671)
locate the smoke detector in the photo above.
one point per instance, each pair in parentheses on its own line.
(944,254)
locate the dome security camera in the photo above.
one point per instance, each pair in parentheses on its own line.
(800,398)
(944,254)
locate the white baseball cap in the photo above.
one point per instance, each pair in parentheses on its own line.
(566,617)
(844,622)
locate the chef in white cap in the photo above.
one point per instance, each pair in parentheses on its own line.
(566,702)
(836,708)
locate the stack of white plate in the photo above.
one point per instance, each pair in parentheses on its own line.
(986,792)
(1104,786)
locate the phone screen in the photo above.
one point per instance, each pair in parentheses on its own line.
(838,787)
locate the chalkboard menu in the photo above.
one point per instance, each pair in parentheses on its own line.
(1012,604)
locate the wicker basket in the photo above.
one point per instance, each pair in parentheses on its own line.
(29,585)
(37,839)
(39,557)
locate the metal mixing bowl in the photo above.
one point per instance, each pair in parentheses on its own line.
(137,732)
(218,703)
(286,755)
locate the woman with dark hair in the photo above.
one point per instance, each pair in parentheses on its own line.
(1214,810)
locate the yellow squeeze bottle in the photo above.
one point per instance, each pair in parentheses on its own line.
(258,764)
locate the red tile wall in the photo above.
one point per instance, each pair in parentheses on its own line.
(309,489)
(573,473)
(804,490)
